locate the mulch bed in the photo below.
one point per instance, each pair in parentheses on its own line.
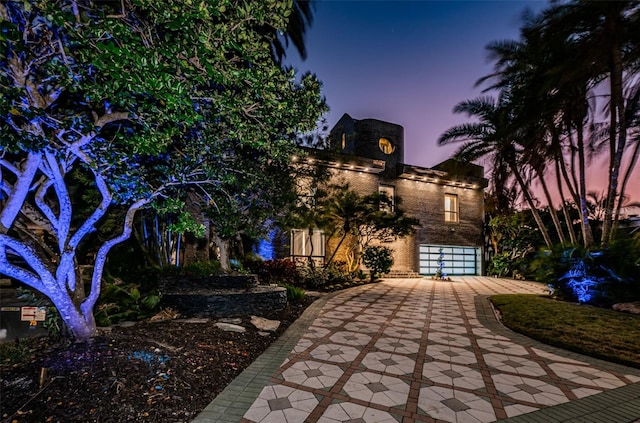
(166,371)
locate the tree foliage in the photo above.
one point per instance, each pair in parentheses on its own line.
(148,99)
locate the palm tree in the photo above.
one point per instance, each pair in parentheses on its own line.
(495,135)
(517,76)
(605,38)
(345,212)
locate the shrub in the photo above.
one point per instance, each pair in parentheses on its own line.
(123,301)
(294,293)
(277,271)
(313,277)
(199,269)
(378,260)
(595,277)
(337,272)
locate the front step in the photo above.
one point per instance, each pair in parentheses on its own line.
(402,274)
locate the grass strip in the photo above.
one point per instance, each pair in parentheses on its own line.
(596,332)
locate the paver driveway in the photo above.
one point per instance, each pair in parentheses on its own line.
(425,351)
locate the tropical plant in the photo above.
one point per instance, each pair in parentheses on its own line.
(294,293)
(513,239)
(124,301)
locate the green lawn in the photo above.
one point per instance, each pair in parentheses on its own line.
(597,332)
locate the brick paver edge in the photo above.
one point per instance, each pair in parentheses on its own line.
(619,405)
(241,393)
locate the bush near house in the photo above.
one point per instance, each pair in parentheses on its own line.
(378,260)
(282,271)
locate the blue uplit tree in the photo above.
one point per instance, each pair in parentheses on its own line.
(147,102)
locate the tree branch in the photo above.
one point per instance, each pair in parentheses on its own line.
(20,190)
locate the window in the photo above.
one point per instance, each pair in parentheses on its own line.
(390,192)
(304,244)
(344,140)
(386,146)
(450,208)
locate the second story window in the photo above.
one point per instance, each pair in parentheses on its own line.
(450,208)
(390,193)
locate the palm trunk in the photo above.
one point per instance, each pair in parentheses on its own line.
(532,207)
(558,162)
(625,180)
(552,210)
(587,233)
(619,127)
(565,211)
(337,248)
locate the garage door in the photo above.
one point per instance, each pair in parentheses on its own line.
(457,260)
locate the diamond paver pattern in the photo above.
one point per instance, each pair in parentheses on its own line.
(432,351)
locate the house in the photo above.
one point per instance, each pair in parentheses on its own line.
(448,198)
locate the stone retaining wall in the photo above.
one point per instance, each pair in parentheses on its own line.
(223,296)
(232,303)
(191,284)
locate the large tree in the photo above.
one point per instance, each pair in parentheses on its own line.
(146,98)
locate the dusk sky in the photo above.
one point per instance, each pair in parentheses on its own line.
(408,62)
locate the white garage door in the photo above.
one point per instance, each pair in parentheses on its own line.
(457,260)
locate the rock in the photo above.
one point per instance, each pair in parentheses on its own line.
(165,314)
(233,321)
(229,327)
(265,324)
(195,320)
(261,333)
(633,308)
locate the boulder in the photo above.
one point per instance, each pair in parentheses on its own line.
(265,324)
(232,320)
(229,327)
(633,308)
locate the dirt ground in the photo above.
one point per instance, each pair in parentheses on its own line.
(165,371)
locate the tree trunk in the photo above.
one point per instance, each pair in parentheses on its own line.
(224,253)
(336,249)
(619,128)
(587,233)
(552,210)
(534,210)
(196,249)
(565,211)
(623,188)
